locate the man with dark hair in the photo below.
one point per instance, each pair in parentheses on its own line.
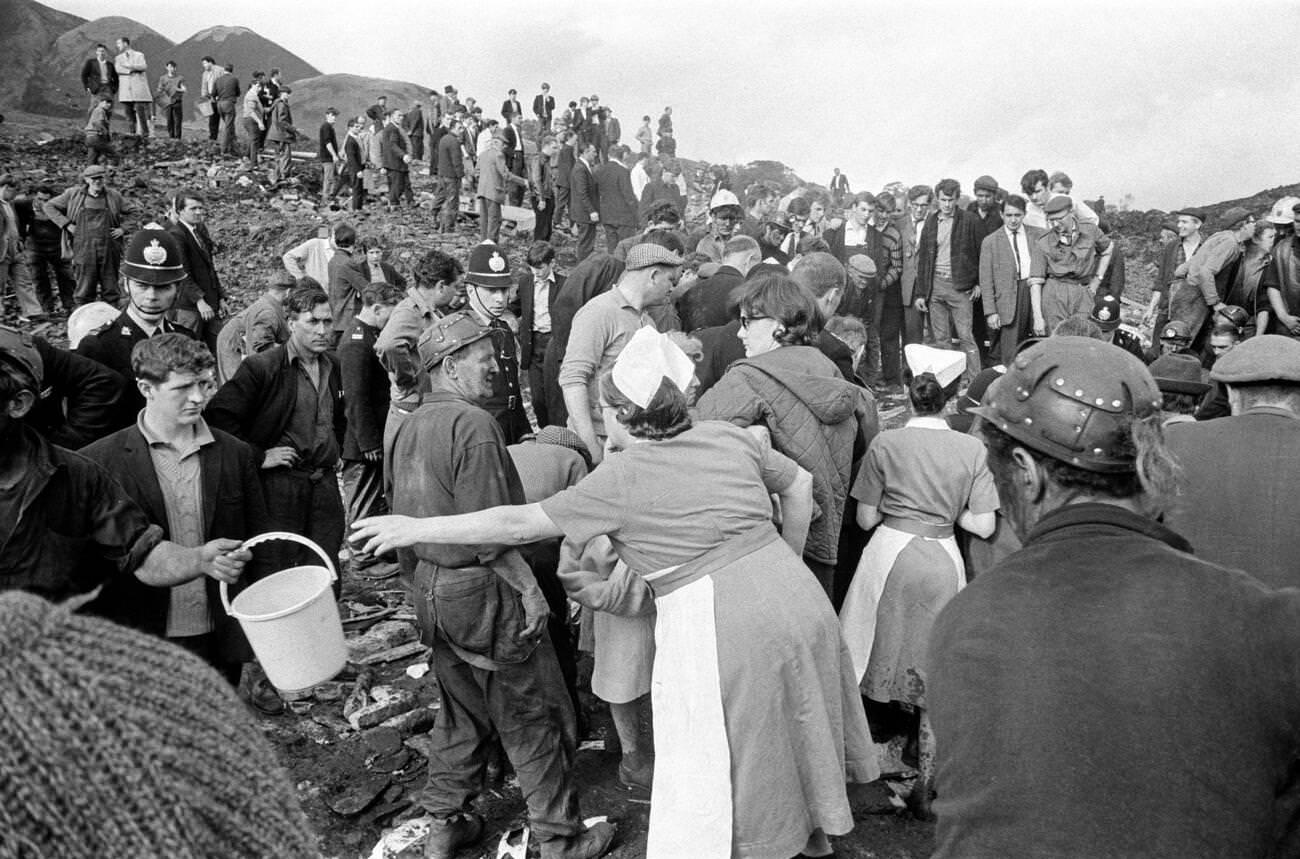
(825,278)
(541,173)
(396,161)
(354,164)
(43,241)
(170,93)
(345,280)
(257,327)
(225,92)
(839,188)
(327,153)
(183,475)
(207,96)
(199,300)
(544,109)
(538,287)
(253,117)
(947,274)
(14,270)
(487,290)
(365,386)
(153,271)
(617,203)
(760,202)
(1006,259)
(1210,274)
(438,287)
(910,227)
(451,172)
(70,527)
(986,206)
(888,323)
(287,402)
(584,200)
(1037,192)
(97,219)
(413,128)
(1084,682)
(99,76)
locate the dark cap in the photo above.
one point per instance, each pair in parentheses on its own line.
(449,334)
(1264,358)
(1232,218)
(18,350)
(1179,373)
(488,267)
(1176,330)
(153,257)
(1058,204)
(1106,311)
(1192,212)
(986,183)
(974,396)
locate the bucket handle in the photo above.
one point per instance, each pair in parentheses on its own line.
(280,535)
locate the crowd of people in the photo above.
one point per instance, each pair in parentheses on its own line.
(1063,585)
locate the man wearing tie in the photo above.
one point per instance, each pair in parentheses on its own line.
(584,201)
(544,108)
(99,75)
(511,107)
(1004,272)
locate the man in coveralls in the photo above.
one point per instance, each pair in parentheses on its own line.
(483,610)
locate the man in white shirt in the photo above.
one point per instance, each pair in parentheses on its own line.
(1004,278)
(133,87)
(312,257)
(538,288)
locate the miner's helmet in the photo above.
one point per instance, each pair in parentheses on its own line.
(153,257)
(1072,398)
(449,334)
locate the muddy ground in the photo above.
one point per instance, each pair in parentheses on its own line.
(356,784)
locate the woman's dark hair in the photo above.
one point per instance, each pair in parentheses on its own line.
(667,415)
(776,296)
(927,395)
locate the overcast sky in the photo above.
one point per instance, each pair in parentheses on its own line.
(1174,104)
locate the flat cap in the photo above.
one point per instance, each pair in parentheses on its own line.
(94,170)
(1192,212)
(1179,373)
(863,265)
(1058,204)
(646,255)
(447,335)
(1176,330)
(986,183)
(1264,358)
(1234,216)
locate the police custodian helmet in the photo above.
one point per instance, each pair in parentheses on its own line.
(153,257)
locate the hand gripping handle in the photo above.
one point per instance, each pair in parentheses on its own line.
(268,537)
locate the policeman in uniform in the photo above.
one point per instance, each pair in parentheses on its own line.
(488,282)
(1106,313)
(152,269)
(484,615)
(1102,691)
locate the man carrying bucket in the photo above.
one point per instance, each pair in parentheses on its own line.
(186,478)
(66,527)
(486,616)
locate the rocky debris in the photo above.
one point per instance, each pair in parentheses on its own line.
(383,636)
(387,703)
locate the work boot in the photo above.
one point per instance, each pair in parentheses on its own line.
(585,845)
(447,835)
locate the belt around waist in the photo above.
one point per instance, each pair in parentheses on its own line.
(667,581)
(1082,281)
(919,529)
(312,474)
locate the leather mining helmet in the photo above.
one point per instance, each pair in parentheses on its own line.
(1071,398)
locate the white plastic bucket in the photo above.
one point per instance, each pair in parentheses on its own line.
(291,620)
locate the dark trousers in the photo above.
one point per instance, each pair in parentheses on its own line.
(41,264)
(537,378)
(283,158)
(96,275)
(99,149)
(1011,335)
(446,204)
(214,123)
(226,131)
(208,648)
(586,239)
(525,704)
(561,201)
(888,321)
(253,138)
(399,187)
(304,503)
(542,228)
(615,234)
(139,116)
(914,325)
(417,147)
(357,181)
(175,119)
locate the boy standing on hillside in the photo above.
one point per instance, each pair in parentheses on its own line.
(328,155)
